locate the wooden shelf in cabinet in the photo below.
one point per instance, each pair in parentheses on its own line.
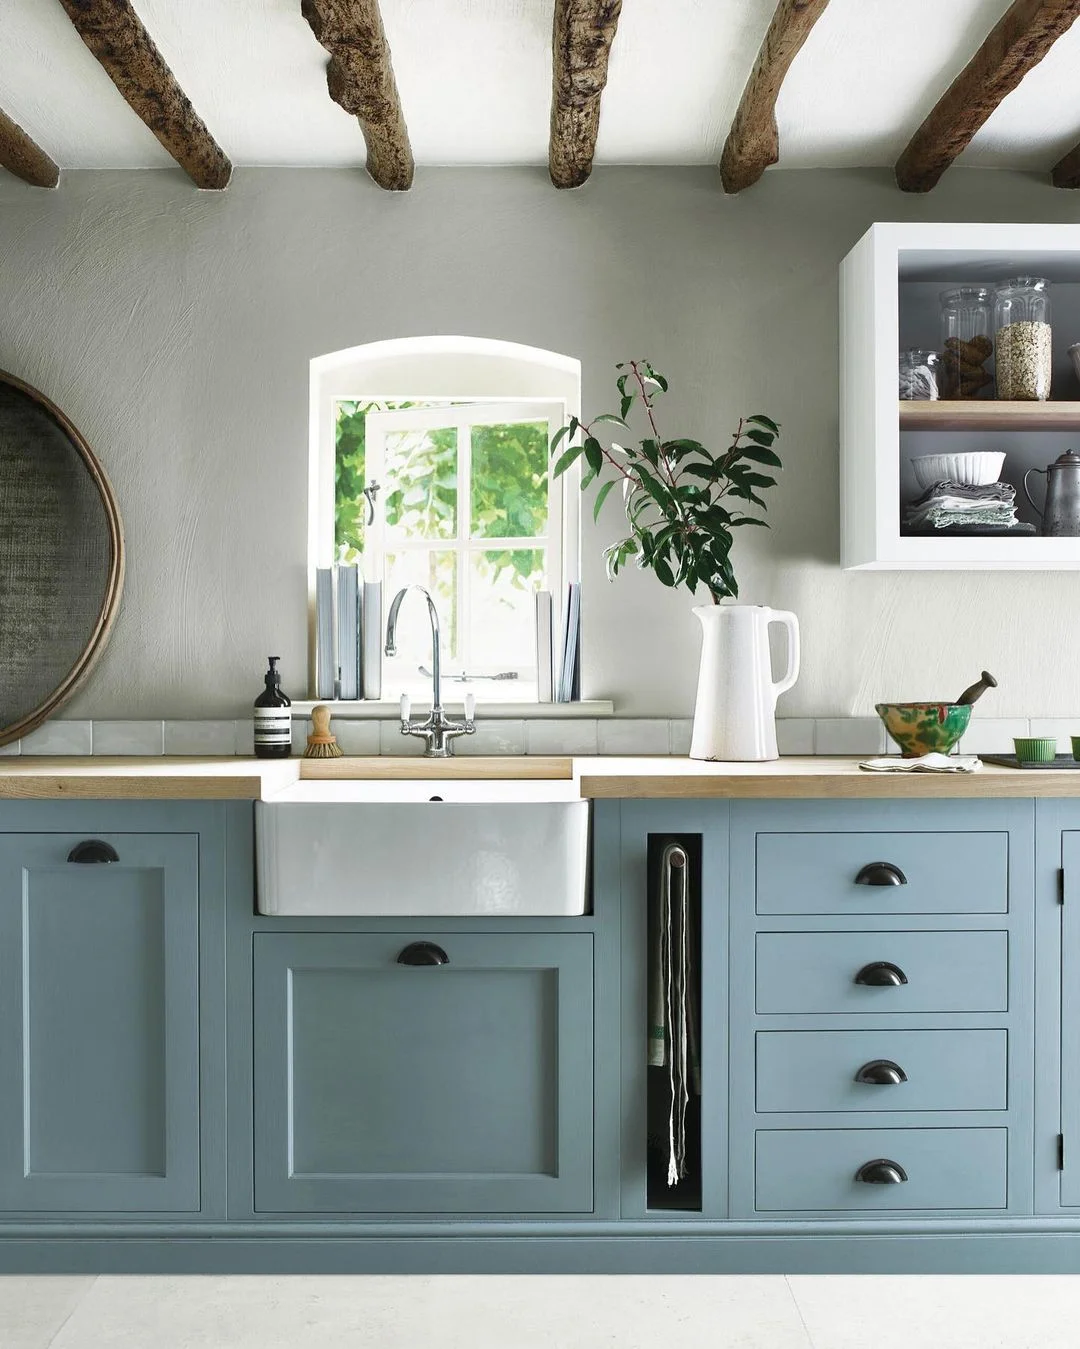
(990,415)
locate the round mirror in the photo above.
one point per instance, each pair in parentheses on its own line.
(61,559)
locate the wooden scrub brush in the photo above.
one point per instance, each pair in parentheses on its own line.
(320,743)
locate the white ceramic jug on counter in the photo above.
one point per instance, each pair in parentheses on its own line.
(735,712)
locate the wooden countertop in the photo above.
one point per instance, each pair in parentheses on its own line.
(260,779)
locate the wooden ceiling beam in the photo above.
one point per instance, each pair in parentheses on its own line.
(116,35)
(1018,42)
(360,77)
(581,46)
(24,157)
(753,142)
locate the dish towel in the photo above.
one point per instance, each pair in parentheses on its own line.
(927,763)
(673,1011)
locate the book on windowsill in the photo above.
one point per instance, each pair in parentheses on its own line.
(545,690)
(348,631)
(571,637)
(325,664)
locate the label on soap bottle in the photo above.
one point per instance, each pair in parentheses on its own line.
(273,727)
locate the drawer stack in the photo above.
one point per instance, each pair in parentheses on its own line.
(872,1031)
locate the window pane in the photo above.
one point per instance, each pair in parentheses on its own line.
(509,481)
(350,508)
(436,571)
(502,609)
(421,483)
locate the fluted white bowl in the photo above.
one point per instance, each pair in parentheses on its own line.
(976,468)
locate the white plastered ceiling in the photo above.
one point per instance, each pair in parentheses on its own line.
(475,79)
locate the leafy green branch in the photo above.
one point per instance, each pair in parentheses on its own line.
(680,499)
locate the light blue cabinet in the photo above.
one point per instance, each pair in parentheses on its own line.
(99,1022)
(463,1086)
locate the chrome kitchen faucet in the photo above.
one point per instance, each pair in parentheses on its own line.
(437,730)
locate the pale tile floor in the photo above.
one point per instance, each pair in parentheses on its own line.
(625,1312)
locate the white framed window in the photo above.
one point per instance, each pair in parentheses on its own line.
(462,504)
(448,486)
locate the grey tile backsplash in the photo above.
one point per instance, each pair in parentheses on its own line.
(585,736)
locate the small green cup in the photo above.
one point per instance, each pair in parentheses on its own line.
(1075,742)
(1037,749)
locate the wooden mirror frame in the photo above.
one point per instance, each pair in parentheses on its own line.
(114,584)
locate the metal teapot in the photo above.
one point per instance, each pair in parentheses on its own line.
(1060,513)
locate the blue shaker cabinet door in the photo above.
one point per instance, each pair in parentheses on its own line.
(99,1020)
(464,1086)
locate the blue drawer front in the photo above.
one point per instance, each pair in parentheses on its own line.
(944,1069)
(945,971)
(941,873)
(814,1170)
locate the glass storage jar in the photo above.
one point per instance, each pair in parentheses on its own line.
(1022,335)
(920,374)
(967,315)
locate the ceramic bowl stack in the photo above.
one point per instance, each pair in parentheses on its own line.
(977,468)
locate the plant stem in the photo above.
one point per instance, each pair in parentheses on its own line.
(652,424)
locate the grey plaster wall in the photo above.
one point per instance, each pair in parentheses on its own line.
(175,329)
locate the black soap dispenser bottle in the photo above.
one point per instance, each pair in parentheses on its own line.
(273,720)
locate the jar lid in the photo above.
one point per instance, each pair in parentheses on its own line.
(967,295)
(1023,283)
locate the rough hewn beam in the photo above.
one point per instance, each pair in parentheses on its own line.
(115,34)
(754,141)
(360,76)
(1022,37)
(1066,172)
(24,157)
(581,45)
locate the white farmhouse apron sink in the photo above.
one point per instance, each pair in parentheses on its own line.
(423,848)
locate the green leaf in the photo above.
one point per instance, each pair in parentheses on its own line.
(664,574)
(657,379)
(626,404)
(610,417)
(588,478)
(601,497)
(750,520)
(758,420)
(557,439)
(710,472)
(760,480)
(765,438)
(594,455)
(760,456)
(569,457)
(651,450)
(621,384)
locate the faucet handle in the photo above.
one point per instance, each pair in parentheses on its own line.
(406,706)
(470,707)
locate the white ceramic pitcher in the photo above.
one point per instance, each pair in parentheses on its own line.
(735,712)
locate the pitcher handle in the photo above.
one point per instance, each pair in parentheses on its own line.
(790,675)
(1027,475)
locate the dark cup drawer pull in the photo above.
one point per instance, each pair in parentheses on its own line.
(881,974)
(423,953)
(93,850)
(881,1172)
(881,1073)
(880,873)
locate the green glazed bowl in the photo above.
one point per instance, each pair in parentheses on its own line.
(924,728)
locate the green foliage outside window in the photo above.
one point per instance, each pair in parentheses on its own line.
(509,487)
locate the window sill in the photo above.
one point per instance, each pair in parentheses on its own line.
(365,710)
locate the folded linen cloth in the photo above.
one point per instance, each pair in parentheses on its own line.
(952,503)
(927,763)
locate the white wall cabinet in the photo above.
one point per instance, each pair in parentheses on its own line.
(889,288)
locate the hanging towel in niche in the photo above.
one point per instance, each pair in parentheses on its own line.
(673,997)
